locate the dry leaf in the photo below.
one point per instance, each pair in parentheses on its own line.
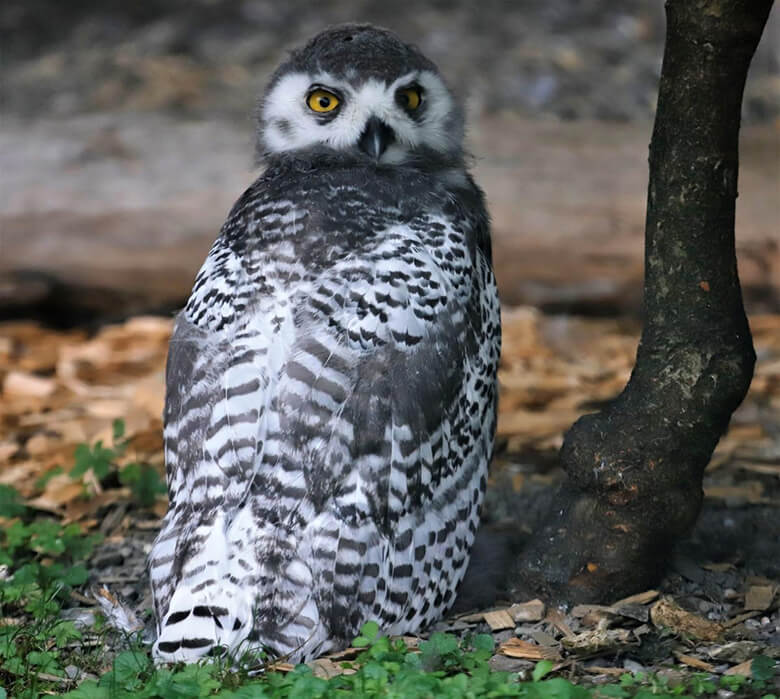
(326,668)
(19,474)
(40,443)
(745,668)
(7,450)
(60,490)
(79,507)
(107,409)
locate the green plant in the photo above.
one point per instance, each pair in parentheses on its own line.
(43,560)
(143,480)
(443,667)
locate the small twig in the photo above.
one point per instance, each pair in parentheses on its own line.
(740,618)
(82,598)
(53,678)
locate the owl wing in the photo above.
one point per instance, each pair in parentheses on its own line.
(383,389)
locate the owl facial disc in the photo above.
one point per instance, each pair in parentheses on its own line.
(360,90)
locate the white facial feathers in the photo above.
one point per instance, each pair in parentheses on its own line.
(289,124)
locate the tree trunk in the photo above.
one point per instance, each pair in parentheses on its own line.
(635,470)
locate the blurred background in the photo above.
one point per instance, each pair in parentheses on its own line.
(128,133)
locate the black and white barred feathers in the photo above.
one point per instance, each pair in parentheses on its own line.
(331,383)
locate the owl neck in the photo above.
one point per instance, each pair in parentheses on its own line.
(424,161)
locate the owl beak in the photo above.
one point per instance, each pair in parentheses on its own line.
(376,137)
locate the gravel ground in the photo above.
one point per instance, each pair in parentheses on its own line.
(570,59)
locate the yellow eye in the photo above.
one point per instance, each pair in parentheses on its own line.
(322,101)
(410,98)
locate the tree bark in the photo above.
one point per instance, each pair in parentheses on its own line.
(635,469)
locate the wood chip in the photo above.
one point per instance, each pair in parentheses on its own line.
(528,611)
(638,612)
(759,467)
(471,617)
(690,661)
(736,651)
(544,639)
(668,614)
(517,648)
(147,524)
(759,597)
(556,618)
(344,655)
(499,620)
(640,598)
(719,567)
(751,491)
(758,580)
(582,610)
(739,619)
(593,619)
(20,383)
(598,640)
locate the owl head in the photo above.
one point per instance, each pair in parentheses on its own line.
(360,90)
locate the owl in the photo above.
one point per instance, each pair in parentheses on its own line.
(331,383)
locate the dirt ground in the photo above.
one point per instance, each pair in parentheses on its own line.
(719,598)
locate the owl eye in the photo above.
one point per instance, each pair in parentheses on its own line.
(410,97)
(322,101)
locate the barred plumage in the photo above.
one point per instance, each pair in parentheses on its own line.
(331,383)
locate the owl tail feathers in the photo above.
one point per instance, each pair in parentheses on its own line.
(198,622)
(208,608)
